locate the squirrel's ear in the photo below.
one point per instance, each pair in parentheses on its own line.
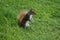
(31,10)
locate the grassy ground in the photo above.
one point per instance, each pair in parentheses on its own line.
(45,27)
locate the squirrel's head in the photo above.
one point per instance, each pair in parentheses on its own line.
(32,11)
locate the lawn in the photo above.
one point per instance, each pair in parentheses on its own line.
(46,24)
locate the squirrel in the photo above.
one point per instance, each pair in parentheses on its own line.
(25,17)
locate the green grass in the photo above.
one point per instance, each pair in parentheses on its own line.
(46,24)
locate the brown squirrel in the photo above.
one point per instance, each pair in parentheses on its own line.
(25,17)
